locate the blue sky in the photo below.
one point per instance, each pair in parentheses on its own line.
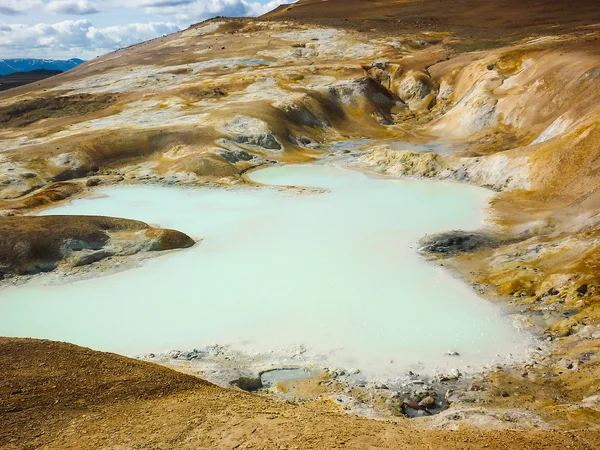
(63,29)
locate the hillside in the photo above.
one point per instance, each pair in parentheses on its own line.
(17,79)
(86,399)
(511,16)
(510,89)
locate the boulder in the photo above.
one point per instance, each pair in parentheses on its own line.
(417,89)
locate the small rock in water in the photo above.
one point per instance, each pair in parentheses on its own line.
(192,354)
(455,374)
(173,354)
(452,375)
(427,402)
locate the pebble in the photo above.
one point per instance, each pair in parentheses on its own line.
(427,402)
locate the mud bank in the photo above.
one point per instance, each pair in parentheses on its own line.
(296,376)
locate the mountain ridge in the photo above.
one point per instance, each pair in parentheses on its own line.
(17,79)
(14,65)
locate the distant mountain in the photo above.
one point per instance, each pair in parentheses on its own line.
(17,79)
(8,66)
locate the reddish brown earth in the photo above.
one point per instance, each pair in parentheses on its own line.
(507,15)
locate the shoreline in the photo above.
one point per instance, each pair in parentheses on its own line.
(108,400)
(374,395)
(340,378)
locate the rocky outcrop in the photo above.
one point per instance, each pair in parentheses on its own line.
(33,244)
(49,194)
(417,89)
(251,131)
(456,242)
(473,113)
(362,93)
(498,171)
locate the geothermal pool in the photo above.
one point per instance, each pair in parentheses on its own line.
(337,273)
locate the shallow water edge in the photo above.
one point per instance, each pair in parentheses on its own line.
(352,377)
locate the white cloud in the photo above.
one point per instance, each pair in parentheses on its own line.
(17,7)
(79,7)
(74,38)
(197,10)
(124,35)
(81,39)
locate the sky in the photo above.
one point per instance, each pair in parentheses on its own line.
(64,29)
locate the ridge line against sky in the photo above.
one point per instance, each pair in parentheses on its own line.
(64,29)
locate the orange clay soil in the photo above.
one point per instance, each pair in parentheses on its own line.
(55,395)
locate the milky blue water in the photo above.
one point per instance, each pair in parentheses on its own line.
(336,272)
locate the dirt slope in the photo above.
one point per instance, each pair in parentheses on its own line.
(508,15)
(55,395)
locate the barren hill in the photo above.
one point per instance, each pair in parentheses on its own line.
(510,15)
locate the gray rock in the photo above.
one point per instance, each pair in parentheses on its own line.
(454,242)
(193,354)
(267,141)
(235,156)
(427,402)
(173,354)
(568,364)
(451,375)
